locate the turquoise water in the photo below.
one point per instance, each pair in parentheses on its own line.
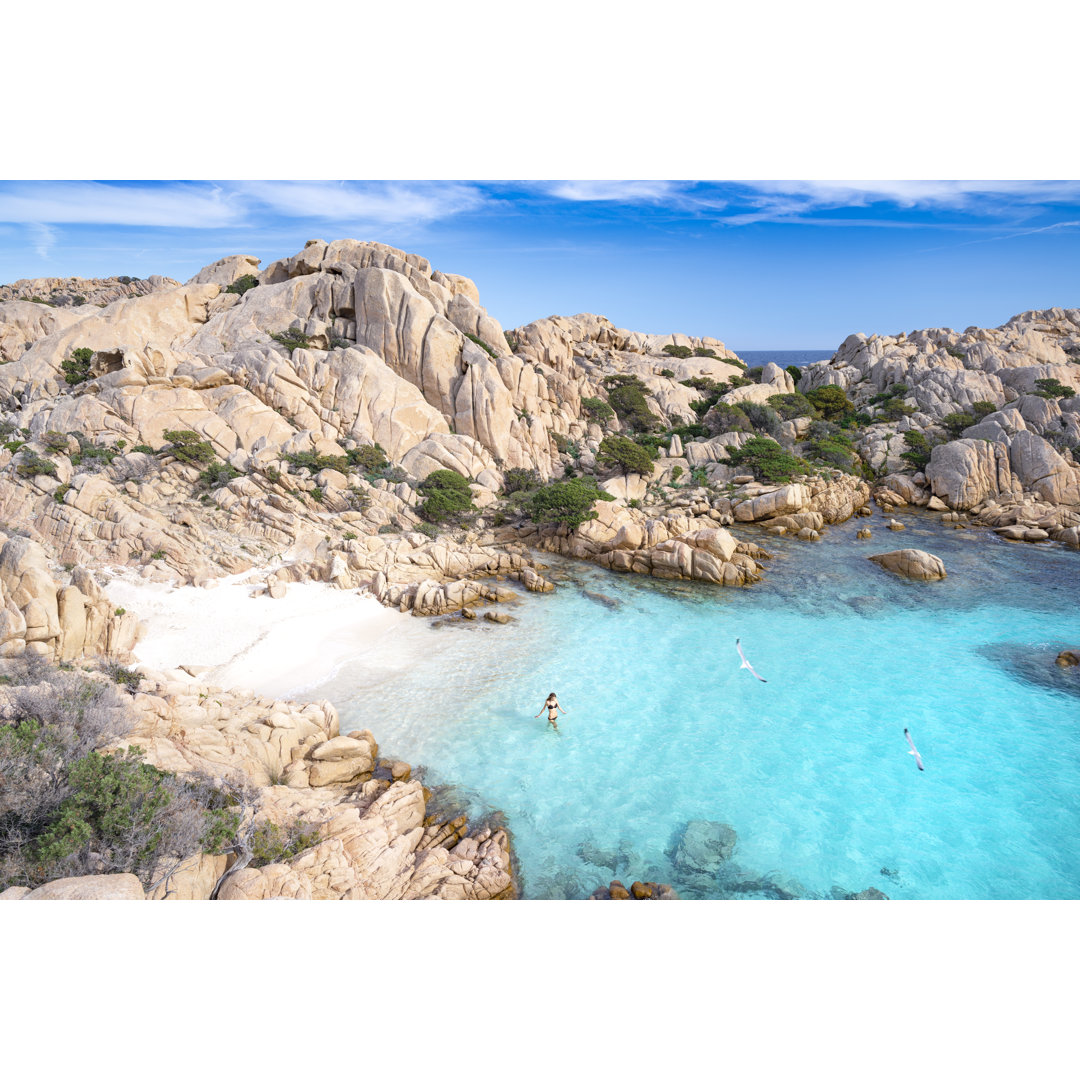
(811,768)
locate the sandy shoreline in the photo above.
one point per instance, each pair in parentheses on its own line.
(275,647)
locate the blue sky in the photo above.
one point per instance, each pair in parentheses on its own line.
(760,265)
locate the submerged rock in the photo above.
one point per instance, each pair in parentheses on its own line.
(1068,658)
(704,848)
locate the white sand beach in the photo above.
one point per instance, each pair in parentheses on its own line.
(273,647)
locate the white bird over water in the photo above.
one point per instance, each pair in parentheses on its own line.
(918,760)
(746,664)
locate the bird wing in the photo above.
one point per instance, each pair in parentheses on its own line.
(913,751)
(746,663)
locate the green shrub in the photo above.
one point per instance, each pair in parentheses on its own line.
(242,284)
(680,352)
(118,673)
(723,417)
(292,339)
(142,448)
(956,422)
(699,477)
(626,395)
(483,345)
(389,528)
(792,406)
(369,459)
(447,496)
(566,502)
(56,442)
(158,555)
(77,369)
(982,409)
(958,353)
(754,374)
(794,372)
(667,373)
(617,452)
(767,460)
(894,409)
(14,445)
(700,350)
(762,418)
(689,431)
(597,408)
(273,843)
(308,459)
(896,390)
(217,474)
(830,401)
(835,450)
(60,492)
(918,452)
(32,464)
(1051,388)
(512,340)
(737,381)
(188,447)
(520,480)
(676,472)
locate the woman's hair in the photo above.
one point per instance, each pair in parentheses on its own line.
(551,695)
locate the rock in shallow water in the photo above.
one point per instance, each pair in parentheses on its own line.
(911,563)
(704,847)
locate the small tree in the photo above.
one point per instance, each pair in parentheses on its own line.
(567,502)
(447,497)
(618,452)
(242,284)
(1051,388)
(597,408)
(830,401)
(189,447)
(77,369)
(956,422)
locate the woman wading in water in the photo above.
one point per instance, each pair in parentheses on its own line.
(554,708)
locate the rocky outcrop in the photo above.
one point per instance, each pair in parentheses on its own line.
(911,563)
(371,834)
(1018,443)
(62,622)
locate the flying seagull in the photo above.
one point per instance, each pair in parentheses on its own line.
(918,760)
(746,664)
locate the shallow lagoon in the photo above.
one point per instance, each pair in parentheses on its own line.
(811,769)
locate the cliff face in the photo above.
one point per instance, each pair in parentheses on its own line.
(378,348)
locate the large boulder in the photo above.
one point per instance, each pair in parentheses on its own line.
(90,887)
(789,499)
(911,563)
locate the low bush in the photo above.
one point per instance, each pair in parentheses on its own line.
(754,374)
(483,345)
(794,372)
(680,352)
(722,418)
(676,472)
(60,492)
(242,284)
(56,442)
(956,422)
(617,452)
(689,431)
(446,497)
(767,460)
(917,453)
(597,408)
(520,480)
(273,843)
(188,447)
(308,459)
(958,353)
(77,369)
(738,381)
(31,464)
(830,401)
(667,373)
(894,409)
(762,418)
(566,502)
(792,406)
(835,450)
(1051,388)
(896,390)
(217,474)
(982,409)
(142,448)
(369,459)
(626,395)
(292,339)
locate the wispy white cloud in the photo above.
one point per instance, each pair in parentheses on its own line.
(42,238)
(956,194)
(374,202)
(625,191)
(190,206)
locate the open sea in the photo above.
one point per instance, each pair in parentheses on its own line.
(811,769)
(798,357)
